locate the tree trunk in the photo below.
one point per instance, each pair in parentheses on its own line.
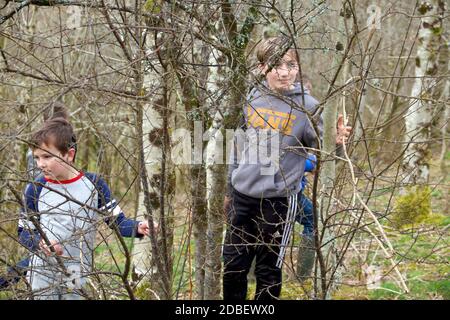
(216,173)
(157,263)
(325,240)
(200,223)
(416,160)
(157,175)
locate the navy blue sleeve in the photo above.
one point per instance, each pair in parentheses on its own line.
(114,214)
(29,237)
(14,274)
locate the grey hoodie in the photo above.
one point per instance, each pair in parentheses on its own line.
(269,157)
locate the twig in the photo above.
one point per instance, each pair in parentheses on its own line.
(388,254)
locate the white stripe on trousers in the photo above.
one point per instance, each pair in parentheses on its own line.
(290,219)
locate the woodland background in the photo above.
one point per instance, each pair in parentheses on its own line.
(134,72)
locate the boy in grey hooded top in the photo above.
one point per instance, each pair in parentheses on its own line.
(265,173)
(270,157)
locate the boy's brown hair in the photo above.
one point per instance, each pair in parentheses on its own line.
(271,50)
(56,110)
(56,131)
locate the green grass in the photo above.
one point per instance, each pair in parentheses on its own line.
(419,290)
(423,259)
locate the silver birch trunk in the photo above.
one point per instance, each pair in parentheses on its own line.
(215,177)
(416,160)
(153,255)
(215,182)
(150,120)
(206,256)
(142,253)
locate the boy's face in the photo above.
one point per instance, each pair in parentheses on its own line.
(53,164)
(282,76)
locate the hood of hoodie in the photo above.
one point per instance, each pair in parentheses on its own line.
(269,157)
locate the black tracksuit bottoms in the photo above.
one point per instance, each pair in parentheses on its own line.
(256,228)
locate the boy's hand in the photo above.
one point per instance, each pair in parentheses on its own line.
(56,246)
(144,229)
(343,131)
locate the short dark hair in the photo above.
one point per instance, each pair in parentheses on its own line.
(57,131)
(56,110)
